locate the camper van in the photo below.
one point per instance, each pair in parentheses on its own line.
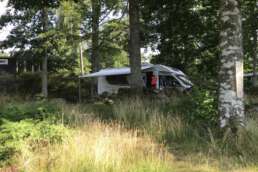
(155,77)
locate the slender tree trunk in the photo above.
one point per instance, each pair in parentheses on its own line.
(231,106)
(96,10)
(136,81)
(254,44)
(24,66)
(44,73)
(32,69)
(81,60)
(95,61)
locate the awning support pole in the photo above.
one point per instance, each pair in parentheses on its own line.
(79,91)
(156,73)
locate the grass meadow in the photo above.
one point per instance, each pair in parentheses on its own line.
(129,135)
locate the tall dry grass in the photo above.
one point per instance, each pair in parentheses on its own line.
(140,138)
(100,148)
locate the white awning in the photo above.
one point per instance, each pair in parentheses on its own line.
(115,71)
(127,70)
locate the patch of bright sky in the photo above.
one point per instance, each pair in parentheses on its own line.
(4,32)
(3,6)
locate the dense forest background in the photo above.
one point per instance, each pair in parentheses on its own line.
(211,128)
(183,34)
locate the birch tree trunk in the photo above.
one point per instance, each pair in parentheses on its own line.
(136,81)
(44,72)
(231,105)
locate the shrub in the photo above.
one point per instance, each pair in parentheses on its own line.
(21,111)
(64,86)
(16,137)
(199,107)
(204,106)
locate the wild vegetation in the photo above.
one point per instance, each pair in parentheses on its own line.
(120,135)
(212,127)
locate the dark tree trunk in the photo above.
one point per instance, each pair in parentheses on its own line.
(136,81)
(96,10)
(44,72)
(95,61)
(231,106)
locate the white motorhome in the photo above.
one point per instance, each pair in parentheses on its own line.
(110,80)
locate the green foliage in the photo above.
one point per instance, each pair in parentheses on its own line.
(197,107)
(183,131)
(21,111)
(33,42)
(169,28)
(25,126)
(65,86)
(188,125)
(168,122)
(62,85)
(250,26)
(28,134)
(200,107)
(28,83)
(113,47)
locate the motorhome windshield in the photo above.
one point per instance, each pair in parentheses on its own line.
(185,80)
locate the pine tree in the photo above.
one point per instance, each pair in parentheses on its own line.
(39,16)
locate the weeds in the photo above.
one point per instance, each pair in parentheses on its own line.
(23,136)
(99,147)
(129,135)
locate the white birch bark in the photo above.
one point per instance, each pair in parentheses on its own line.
(231,105)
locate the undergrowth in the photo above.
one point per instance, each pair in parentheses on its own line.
(123,135)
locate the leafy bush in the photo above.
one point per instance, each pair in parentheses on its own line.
(21,111)
(65,86)
(27,134)
(198,107)
(204,107)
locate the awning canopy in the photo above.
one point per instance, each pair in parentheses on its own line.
(127,70)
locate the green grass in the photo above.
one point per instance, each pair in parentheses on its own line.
(132,135)
(99,147)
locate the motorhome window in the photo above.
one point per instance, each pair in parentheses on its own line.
(168,81)
(117,80)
